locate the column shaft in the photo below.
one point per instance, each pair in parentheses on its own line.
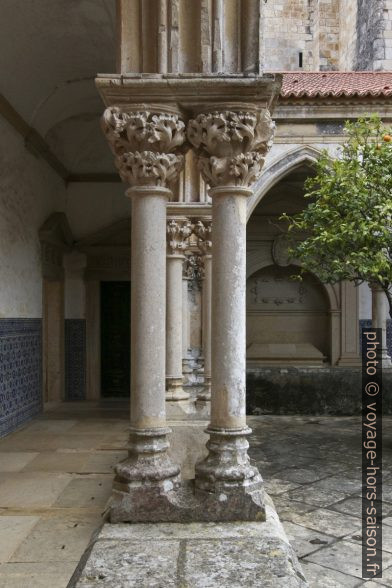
(148,293)
(227,465)
(185,319)
(228,409)
(205,395)
(174,331)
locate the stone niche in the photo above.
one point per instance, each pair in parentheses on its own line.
(288,321)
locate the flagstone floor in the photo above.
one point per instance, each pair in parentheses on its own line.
(56,474)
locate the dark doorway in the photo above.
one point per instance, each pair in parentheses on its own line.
(115,339)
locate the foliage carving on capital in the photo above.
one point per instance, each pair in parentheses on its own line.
(231,145)
(147,146)
(193,269)
(148,168)
(203,231)
(178,233)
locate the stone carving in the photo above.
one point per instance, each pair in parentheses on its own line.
(231,145)
(178,233)
(203,231)
(280,251)
(147,168)
(147,146)
(193,268)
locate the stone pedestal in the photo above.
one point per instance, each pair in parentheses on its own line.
(197,555)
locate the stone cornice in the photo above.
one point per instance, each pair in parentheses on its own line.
(189,209)
(316,109)
(191,93)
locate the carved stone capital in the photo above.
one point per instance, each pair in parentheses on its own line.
(148,168)
(178,233)
(231,145)
(203,231)
(147,145)
(193,268)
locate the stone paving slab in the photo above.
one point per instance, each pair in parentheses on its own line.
(198,555)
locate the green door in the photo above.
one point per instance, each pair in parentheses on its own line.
(115,339)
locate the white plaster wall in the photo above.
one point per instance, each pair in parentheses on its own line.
(75,288)
(29,192)
(91,207)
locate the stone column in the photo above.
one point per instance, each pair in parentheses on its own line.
(231,144)
(185,321)
(178,233)
(379,319)
(203,230)
(146,148)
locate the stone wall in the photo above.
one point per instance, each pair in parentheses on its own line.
(348,34)
(328,34)
(301,35)
(373,17)
(287,34)
(312,391)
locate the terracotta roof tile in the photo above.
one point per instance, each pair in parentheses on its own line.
(335,84)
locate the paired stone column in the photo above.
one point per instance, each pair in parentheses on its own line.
(178,233)
(203,231)
(147,145)
(185,321)
(231,144)
(379,319)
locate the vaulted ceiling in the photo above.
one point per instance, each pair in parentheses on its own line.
(51,51)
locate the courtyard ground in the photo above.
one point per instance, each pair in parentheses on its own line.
(56,474)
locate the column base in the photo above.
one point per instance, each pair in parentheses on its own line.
(148,461)
(205,395)
(185,504)
(227,465)
(174,389)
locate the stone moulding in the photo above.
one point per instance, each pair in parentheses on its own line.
(191,93)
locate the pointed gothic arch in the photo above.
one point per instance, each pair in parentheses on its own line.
(279,169)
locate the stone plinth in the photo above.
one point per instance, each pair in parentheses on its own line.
(197,555)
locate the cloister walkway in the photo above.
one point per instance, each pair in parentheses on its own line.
(56,475)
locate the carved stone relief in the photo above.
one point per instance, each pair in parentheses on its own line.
(231,145)
(148,147)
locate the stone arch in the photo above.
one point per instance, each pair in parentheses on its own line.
(257,261)
(328,343)
(280,168)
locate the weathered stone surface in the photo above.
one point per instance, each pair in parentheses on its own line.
(296,390)
(198,555)
(131,563)
(185,503)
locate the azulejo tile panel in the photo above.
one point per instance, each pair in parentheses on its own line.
(20,372)
(75,359)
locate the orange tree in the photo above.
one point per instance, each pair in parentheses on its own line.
(348,221)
